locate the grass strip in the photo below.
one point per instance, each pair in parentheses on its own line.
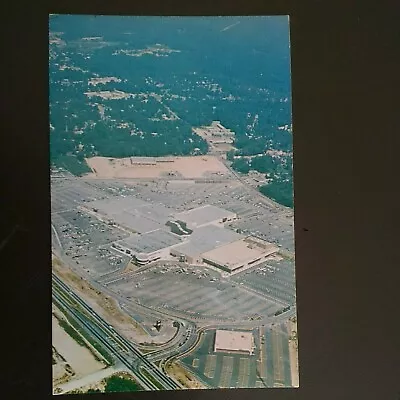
(152,379)
(78,334)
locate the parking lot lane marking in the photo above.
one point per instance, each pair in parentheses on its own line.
(186,294)
(226,373)
(248,303)
(195,363)
(211,363)
(198,297)
(277,358)
(244,372)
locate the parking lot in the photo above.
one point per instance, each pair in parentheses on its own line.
(221,370)
(273,278)
(278,361)
(232,370)
(198,292)
(69,194)
(255,217)
(86,242)
(275,229)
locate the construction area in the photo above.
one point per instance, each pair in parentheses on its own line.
(72,358)
(220,139)
(158,167)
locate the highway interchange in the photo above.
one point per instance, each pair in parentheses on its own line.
(118,346)
(83,243)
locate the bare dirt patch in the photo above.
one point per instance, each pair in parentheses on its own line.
(101,109)
(92,38)
(100,384)
(219,138)
(293,353)
(184,376)
(103,81)
(62,371)
(276,257)
(72,359)
(101,303)
(148,167)
(130,267)
(223,147)
(279,153)
(157,50)
(95,381)
(109,95)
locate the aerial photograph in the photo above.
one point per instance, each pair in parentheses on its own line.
(172,206)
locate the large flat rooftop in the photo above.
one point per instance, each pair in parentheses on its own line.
(136,222)
(150,242)
(203,215)
(233,341)
(239,253)
(191,167)
(207,238)
(133,213)
(116,204)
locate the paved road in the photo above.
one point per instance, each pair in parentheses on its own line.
(173,350)
(56,236)
(252,190)
(89,379)
(103,339)
(177,316)
(121,348)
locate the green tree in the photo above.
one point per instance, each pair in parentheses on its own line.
(230,155)
(241,165)
(118,384)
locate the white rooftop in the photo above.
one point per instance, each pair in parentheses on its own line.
(203,215)
(150,242)
(240,252)
(207,238)
(134,213)
(233,341)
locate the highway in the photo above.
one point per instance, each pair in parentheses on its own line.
(266,200)
(187,344)
(185,341)
(119,347)
(186,322)
(61,303)
(128,307)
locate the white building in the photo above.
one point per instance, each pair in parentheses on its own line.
(234,342)
(205,215)
(148,247)
(240,254)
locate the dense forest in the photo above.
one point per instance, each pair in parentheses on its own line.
(278,171)
(192,71)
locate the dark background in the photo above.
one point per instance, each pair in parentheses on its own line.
(345,121)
